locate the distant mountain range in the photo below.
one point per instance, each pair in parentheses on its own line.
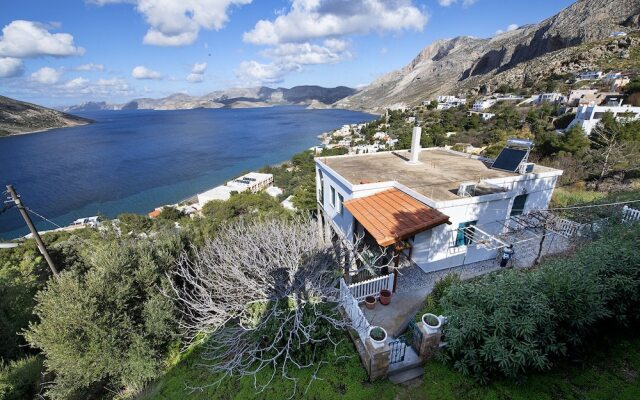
(312,96)
(20,117)
(472,65)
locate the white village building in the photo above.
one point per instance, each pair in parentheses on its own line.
(483,104)
(589,116)
(434,205)
(253,181)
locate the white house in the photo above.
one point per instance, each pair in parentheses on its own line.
(589,75)
(588,116)
(447,102)
(253,181)
(432,205)
(483,104)
(483,115)
(550,98)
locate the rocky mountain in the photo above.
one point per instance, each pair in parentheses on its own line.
(465,64)
(20,117)
(231,98)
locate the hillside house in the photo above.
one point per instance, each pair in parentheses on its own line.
(433,205)
(589,116)
(483,115)
(447,102)
(483,105)
(550,98)
(589,76)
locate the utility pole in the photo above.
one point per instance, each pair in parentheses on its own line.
(43,250)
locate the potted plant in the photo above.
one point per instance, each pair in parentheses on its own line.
(378,336)
(385,296)
(370,302)
(431,322)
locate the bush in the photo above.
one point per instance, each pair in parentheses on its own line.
(110,326)
(20,379)
(514,322)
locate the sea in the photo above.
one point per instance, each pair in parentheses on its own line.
(133,161)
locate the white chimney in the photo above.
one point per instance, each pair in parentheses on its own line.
(415,144)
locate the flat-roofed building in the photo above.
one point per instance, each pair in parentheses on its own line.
(589,116)
(426,202)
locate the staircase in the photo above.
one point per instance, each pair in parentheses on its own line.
(406,370)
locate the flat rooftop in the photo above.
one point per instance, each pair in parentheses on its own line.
(437,177)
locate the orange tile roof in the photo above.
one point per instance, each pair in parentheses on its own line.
(154,214)
(392,215)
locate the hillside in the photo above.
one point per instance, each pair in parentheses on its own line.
(20,117)
(230,98)
(466,64)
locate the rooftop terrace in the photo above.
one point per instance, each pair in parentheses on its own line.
(438,176)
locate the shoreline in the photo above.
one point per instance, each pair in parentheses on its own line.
(45,130)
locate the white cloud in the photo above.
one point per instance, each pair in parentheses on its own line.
(332,51)
(178,22)
(197,72)
(314,19)
(465,3)
(292,57)
(511,27)
(24,39)
(47,76)
(142,72)
(90,67)
(10,67)
(255,73)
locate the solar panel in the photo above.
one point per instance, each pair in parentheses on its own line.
(509,159)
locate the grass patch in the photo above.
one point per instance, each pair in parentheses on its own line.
(610,371)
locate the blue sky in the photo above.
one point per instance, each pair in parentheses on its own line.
(68,51)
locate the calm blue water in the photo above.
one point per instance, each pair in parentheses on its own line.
(133,161)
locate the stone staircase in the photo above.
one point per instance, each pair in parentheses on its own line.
(408,369)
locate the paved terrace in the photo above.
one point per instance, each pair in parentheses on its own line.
(438,176)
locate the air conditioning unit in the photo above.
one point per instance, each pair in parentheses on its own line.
(467,189)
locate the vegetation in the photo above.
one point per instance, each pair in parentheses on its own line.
(515,322)
(108,326)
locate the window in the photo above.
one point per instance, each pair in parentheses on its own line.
(333,197)
(465,233)
(518,204)
(339,205)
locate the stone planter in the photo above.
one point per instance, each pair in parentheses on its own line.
(378,336)
(370,302)
(385,297)
(431,322)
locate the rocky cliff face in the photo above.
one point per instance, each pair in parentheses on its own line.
(445,66)
(20,117)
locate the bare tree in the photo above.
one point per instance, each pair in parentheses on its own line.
(265,295)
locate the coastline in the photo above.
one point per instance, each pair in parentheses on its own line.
(45,129)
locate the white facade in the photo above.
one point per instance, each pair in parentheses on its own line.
(447,102)
(590,75)
(485,116)
(550,98)
(253,181)
(483,105)
(588,117)
(437,249)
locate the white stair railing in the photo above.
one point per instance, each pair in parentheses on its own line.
(630,214)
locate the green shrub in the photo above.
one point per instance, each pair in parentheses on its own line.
(20,379)
(110,326)
(514,322)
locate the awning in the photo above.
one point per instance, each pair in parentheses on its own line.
(392,215)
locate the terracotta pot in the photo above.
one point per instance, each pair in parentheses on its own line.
(385,297)
(370,302)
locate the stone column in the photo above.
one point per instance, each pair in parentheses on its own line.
(376,360)
(426,343)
